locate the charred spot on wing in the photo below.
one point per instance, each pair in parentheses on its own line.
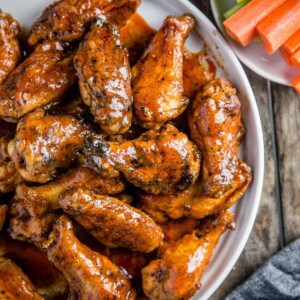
(185,181)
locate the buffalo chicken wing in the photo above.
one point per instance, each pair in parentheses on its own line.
(157,76)
(90,274)
(216,127)
(10,51)
(159,161)
(104,77)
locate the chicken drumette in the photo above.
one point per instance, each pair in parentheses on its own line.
(216,127)
(69,20)
(41,79)
(177,272)
(159,161)
(14,284)
(104,77)
(45,143)
(10,52)
(157,76)
(90,274)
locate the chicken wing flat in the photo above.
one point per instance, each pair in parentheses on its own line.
(69,20)
(104,77)
(216,127)
(90,274)
(9,176)
(44,143)
(14,284)
(10,51)
(41,79)
(37,200)
(159,161)
(112,222)
(157,76)
(177,273)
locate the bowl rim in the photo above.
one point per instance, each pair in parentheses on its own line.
(260,161)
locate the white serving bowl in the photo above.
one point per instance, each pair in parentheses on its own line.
(272,67)
(252,150)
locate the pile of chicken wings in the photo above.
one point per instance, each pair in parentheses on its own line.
(118,155)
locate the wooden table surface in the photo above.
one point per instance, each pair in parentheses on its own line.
(278,220)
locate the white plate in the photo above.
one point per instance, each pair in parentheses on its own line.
(154,11)
(272,67)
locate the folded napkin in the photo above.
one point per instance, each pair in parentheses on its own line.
(277,279)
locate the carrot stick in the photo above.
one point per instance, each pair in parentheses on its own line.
(286,56)
(293,43)
(295,58)
(242,25)
(280,25)
(296,84)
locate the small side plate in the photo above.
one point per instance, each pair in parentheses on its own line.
(271,67)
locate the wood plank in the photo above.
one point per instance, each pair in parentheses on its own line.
(264,239)
(287,121)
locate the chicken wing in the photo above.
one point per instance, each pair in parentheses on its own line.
(10,51)
(37,200)
(9,176)
(90,274)
(41,79)
(159,161)
(69,20)
(35,230)
(45,143)
(111,221)
(104,77)
(177,273)
(46,278)
(14,284)
(198,70)
(216,127)
(157,77)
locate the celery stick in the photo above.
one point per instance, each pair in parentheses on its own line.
(235,9)
(240,1)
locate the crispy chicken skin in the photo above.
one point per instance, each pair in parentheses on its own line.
(10,51)
(44,143)
(157,77)
(111,221)
(90,274)
(159,161)
(177,273)
(9,176)
(23,91)
(104,77)
(69,20)
(216,127)
(14,284)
